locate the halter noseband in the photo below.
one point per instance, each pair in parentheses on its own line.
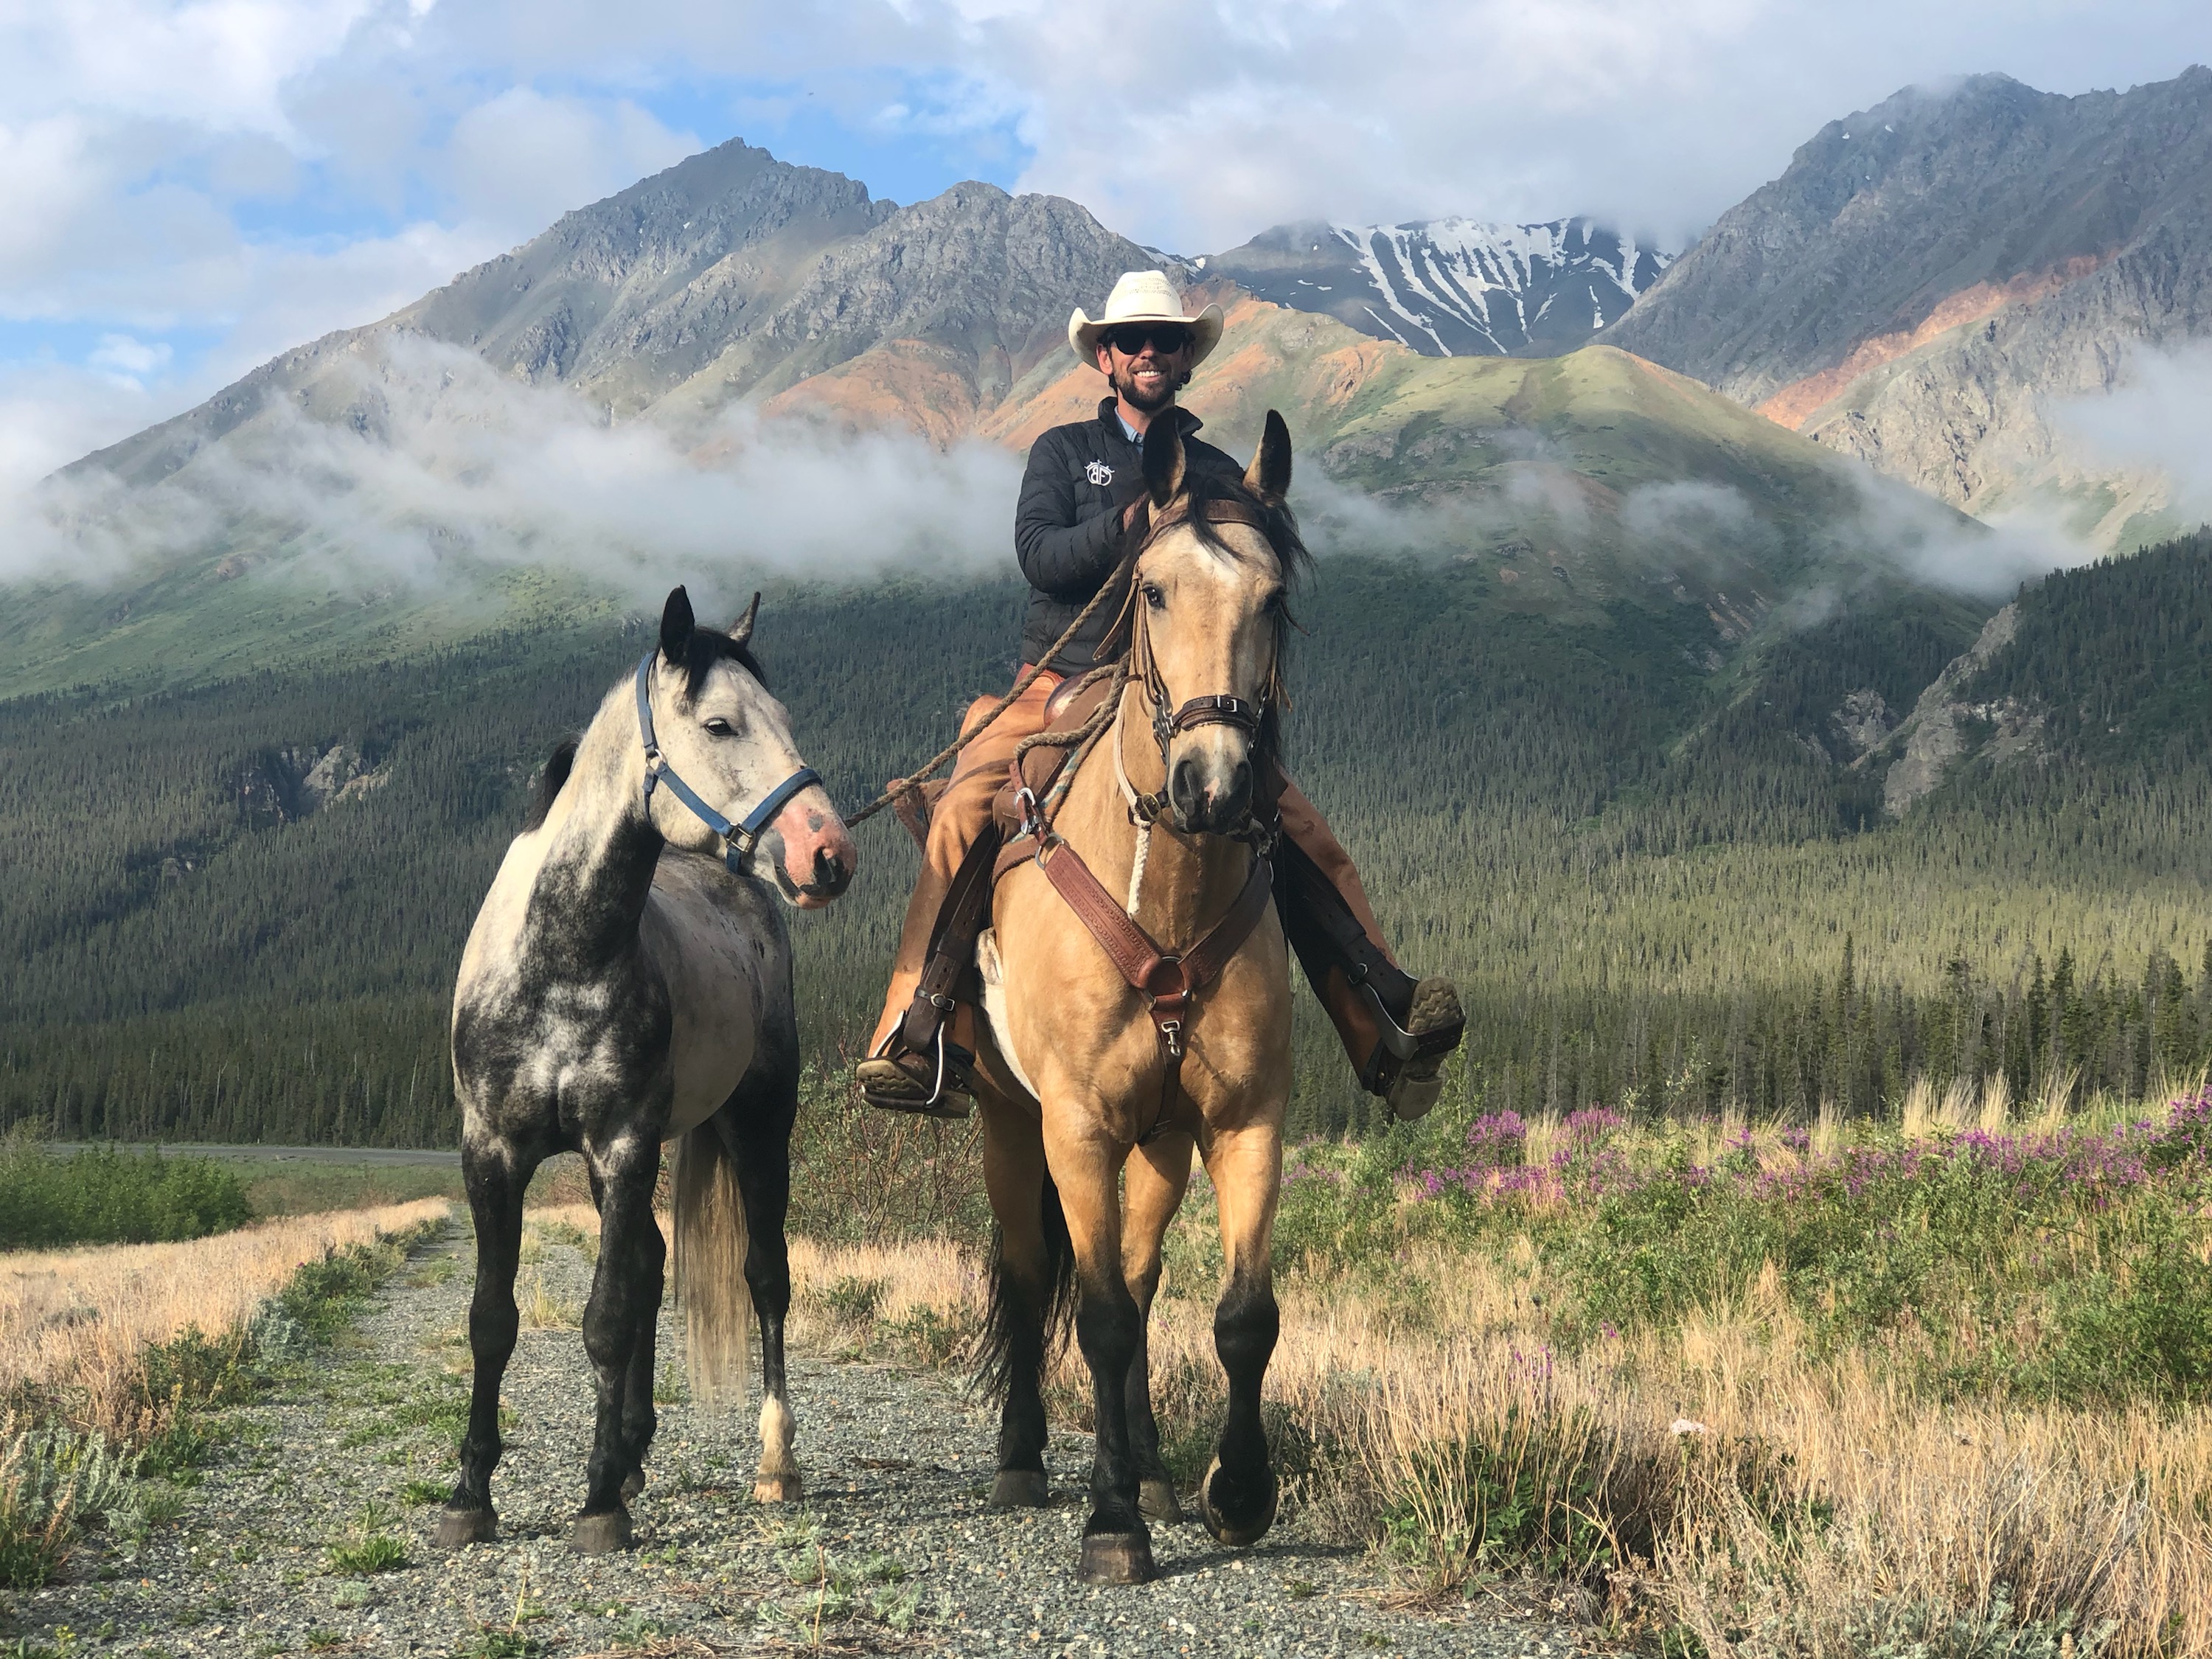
(738,839)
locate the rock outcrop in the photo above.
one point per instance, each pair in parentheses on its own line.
(1944,728)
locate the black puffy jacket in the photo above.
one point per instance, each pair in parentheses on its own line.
(1067,526)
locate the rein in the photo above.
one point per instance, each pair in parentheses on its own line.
(738,839)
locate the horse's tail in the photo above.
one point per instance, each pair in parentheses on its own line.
(1020,1330)
(710,1267)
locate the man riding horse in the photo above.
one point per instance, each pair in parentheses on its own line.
(1083,503)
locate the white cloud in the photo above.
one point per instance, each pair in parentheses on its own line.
(2158,416)
(522,160)
(453,466)
(129,360)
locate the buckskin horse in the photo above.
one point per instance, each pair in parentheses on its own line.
(1105,1053)
(627,983)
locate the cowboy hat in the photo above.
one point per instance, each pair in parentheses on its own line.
(1143,296)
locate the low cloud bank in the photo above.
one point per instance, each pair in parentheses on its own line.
(421,466)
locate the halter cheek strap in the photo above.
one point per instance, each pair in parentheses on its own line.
(738,839)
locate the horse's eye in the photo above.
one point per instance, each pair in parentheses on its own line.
(719,727)
(1154,598)
(1276,600)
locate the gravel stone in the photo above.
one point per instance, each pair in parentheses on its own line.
(897,1466)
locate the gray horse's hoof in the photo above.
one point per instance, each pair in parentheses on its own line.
(1157,1500)
(599,1535)
(1020,1489)
(1116,1557)
(459,1527)
(777,1489)
(634,1484)
(1235,1533)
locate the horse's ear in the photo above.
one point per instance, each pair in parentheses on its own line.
(743,630)
(1163,459)
(676,625)
(1269,476)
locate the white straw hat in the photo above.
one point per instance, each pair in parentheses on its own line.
(1143,296)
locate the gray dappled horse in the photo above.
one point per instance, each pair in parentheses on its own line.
(627,983)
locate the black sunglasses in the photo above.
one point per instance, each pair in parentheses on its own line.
(1131,339)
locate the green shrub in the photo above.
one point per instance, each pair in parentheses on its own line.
(105,1195)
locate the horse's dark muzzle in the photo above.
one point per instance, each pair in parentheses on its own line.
(1206,803)
(831,876)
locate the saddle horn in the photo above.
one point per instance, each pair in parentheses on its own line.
(742,630)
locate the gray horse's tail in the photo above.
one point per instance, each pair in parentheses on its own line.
(710,1267)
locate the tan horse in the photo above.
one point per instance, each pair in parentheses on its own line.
(1076,1074)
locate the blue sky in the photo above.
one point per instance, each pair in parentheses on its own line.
(188,186)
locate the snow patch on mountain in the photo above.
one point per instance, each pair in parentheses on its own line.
(1455,287)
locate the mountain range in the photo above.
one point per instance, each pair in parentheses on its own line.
(1942,286)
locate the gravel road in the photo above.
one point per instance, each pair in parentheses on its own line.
(893,1550)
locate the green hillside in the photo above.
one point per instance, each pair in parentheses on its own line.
(1653,877)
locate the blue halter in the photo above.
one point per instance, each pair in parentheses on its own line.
(738,839)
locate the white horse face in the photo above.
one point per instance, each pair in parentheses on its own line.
(719,730)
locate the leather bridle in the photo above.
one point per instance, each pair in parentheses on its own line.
(1171,719)
(738,839)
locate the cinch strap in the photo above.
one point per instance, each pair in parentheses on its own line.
(738,839)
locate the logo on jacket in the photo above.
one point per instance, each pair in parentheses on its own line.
(1099,473)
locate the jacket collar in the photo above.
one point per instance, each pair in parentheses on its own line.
(1112,421)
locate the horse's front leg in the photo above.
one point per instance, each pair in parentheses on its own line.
(1085,1163)
(760,1146)
(1028,1261)
(496,1179)
(1236,1498)
(1157,1177)
(624,1301)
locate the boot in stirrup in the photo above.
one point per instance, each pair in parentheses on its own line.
(1406,1068)
(935,1082)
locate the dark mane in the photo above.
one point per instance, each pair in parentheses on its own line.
(546,787)
(1202,486)
(708,647)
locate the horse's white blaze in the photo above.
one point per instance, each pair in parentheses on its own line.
(995,1004)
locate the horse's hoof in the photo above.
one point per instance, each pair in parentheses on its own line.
(599,1535)
(633,1485)
(459,1527)
(1157,1500)
(1228,1529)
(1116,1557)
(1020,1489)
(776,1488)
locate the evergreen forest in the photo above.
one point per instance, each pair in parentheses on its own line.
(233,911)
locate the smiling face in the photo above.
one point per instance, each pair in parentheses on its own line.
(1148,379)
(721,732)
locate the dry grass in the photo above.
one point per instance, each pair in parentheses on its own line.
(76,1322)
(1804,1506)
(1727,1479)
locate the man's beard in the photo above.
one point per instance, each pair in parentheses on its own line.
(1149,402)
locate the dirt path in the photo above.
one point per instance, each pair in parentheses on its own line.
(893,1550)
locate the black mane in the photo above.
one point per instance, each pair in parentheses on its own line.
(709,646)
(1281,525)
(546,787)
